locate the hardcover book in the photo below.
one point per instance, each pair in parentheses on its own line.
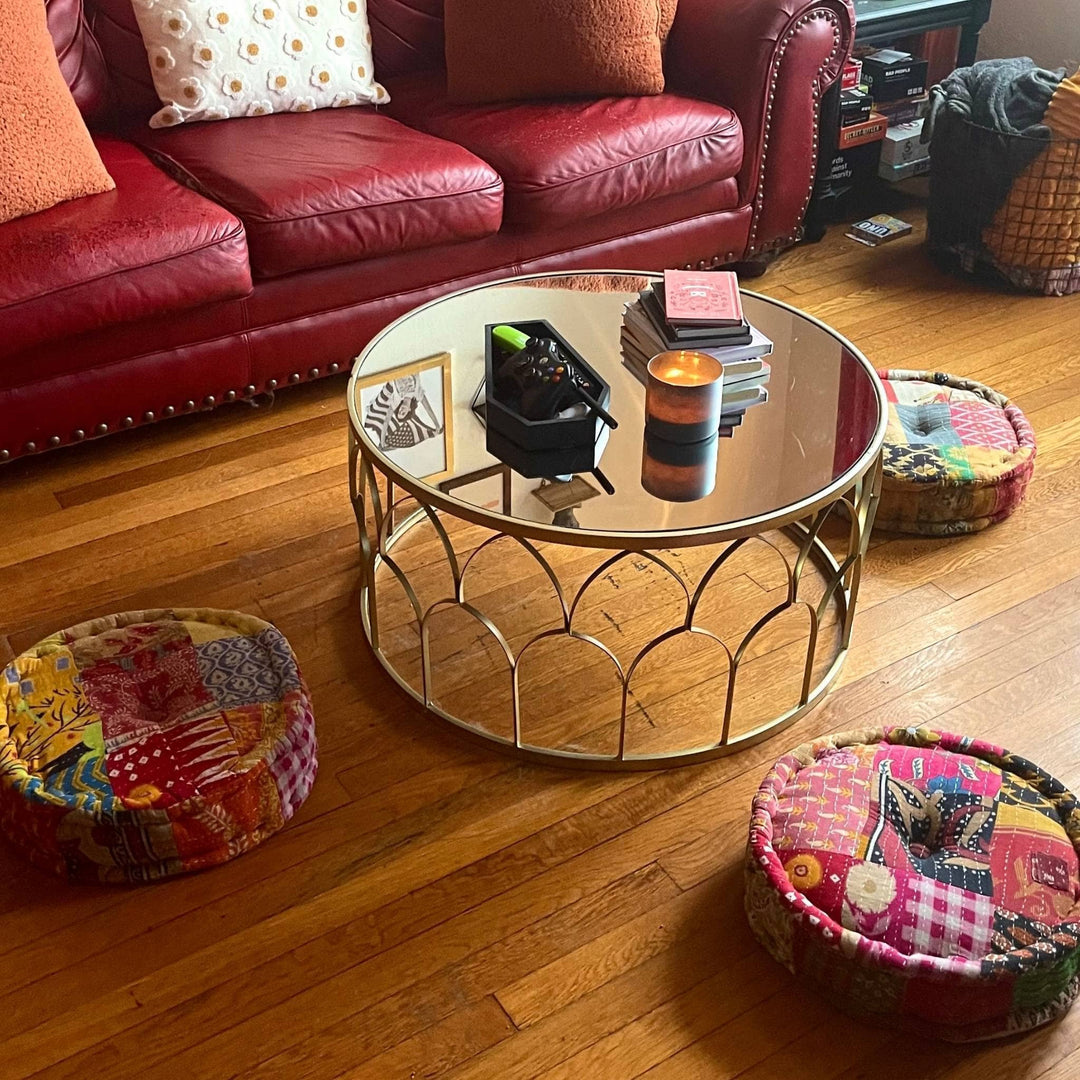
(641,330)
(695,298)
(683,337)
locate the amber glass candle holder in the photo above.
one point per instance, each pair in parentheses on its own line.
(679,472)
(684,396)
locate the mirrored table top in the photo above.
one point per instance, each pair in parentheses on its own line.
(820,429)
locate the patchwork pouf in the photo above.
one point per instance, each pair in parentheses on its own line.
(957,456)
(919,878)
(145,745)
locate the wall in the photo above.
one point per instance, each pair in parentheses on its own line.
(1046,30)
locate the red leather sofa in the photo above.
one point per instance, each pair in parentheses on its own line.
(239,256)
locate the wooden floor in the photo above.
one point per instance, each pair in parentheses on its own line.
(437,910)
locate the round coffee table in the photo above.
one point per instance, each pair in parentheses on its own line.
(557,621)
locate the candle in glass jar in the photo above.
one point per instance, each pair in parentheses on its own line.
(684,396)
(679,472)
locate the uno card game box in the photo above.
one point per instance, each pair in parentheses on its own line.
(879,229)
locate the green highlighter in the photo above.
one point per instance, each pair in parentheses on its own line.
(511,340)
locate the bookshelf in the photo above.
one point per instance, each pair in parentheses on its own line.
(881,23)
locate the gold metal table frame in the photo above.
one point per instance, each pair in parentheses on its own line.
(383,525)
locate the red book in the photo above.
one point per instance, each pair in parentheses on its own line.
(700,298)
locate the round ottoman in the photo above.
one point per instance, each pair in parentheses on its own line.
(152,743)
(957,455)
(921,879)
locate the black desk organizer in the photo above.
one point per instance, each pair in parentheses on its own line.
(540,448)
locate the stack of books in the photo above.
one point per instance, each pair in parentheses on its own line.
(701,311)
(892,84)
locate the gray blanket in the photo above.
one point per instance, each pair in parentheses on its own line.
(1009,96)
(985,128)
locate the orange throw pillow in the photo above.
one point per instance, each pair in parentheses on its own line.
(507,50)
(46,154)
(667,18)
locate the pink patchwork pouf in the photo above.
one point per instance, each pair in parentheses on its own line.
(920,878)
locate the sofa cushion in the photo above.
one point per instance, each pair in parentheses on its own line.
(148,248)
(407,35)
(80,58)
(321,188)
(243,59)
(566,160)
(115,29)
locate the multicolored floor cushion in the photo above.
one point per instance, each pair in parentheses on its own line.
(920,878)
(958,455)
(145,745)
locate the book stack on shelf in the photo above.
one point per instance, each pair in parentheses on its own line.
(898,83)
(883,100)
(701,311)
(895,83)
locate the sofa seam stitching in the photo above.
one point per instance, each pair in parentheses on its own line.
(488,190)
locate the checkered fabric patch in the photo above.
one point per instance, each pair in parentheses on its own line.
(941,920)
(293,766)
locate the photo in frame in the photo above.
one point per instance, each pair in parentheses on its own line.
(407,412)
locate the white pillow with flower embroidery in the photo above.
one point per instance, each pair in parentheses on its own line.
(213,59)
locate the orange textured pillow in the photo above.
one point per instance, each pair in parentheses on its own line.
(667,18)
(46,154)
(504,51)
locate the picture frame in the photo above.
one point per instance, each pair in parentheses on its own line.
(407,412)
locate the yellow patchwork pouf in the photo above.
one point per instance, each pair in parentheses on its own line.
(957,456)
(152,743)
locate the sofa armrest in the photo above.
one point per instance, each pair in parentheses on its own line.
(770,61)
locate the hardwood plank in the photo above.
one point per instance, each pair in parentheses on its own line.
(565,980)
(214,463)
(435,1051)
(705,1033)
(611,1006)
(301,1052)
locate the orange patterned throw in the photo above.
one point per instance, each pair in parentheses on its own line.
(145,745)
(46,154)
(1037,228)
(499,51)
